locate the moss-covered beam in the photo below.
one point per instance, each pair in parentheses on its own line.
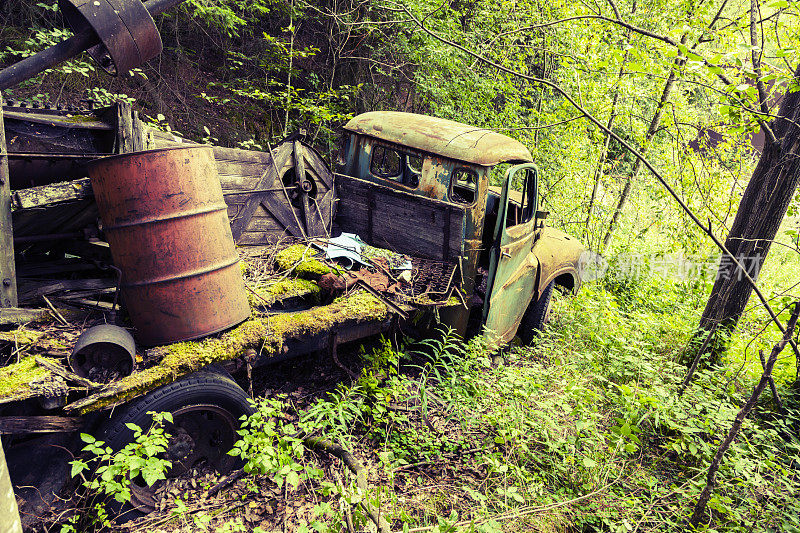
(268,335)
(283,291)
(16,381)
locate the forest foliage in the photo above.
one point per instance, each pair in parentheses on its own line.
(680,80)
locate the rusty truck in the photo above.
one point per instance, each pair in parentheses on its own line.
(115,303)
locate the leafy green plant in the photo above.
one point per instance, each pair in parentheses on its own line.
(268,445)
(114,471)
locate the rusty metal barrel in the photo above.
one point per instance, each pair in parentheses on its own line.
(166,223)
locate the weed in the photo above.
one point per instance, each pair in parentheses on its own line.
(115,471)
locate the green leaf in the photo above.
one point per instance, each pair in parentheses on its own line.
(293,479)
(78,466)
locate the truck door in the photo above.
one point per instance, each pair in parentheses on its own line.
(512,266)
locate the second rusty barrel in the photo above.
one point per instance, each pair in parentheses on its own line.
(166,223)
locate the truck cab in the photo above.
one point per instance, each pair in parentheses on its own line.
(507,256)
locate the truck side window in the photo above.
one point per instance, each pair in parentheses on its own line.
(522,198)
(415,163)
(385,162)
(464,186)
(412,171)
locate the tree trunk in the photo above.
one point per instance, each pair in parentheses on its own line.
(761,211)
(651,131)
(598,173)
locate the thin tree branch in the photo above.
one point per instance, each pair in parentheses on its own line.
(700,507)
(755,56)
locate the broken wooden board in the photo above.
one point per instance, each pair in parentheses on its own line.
(8,276)
(53,193)
(58,369)
(73,216)
(32,290)
(11,425)
(18,315)
(20,381)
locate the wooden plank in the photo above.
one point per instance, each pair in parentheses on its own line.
(9,518)
(269,179)
(60,266)
(317,164)
(260,238)
(124,142)
(62,121)
(300,176)
(389,219)
(10,425)
(139,135)
(56,192)
(238,155)
(57,218)
(262,222)
(400,221)
(90,304)
(18,316)
(240,179)
(277,205)
(8,275)
(31,290)
(163,139)
(57,368)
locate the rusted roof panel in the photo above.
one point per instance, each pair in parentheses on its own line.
(441,137)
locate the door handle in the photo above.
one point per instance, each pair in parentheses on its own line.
(504,253)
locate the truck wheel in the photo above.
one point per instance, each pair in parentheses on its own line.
(536,316)
(205,407)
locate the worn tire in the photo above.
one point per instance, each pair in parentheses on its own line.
(536,316)
(206,406)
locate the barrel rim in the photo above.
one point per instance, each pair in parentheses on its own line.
(99,160)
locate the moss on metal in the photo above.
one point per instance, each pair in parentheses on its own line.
(267,334)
